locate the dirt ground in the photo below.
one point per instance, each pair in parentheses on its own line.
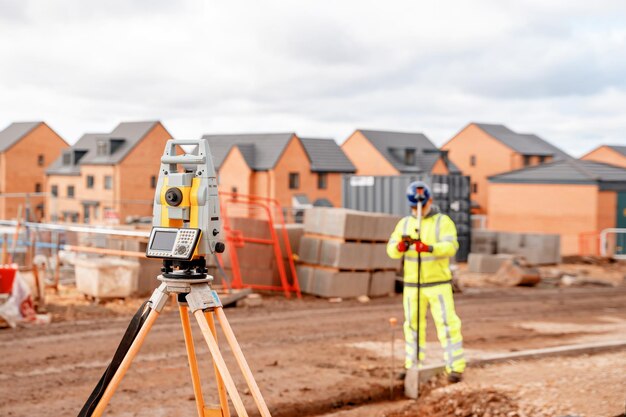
(583,385)
(312,357)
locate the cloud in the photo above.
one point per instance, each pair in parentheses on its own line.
(321,68)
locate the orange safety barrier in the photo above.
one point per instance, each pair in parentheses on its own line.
(589,244)
(237,239)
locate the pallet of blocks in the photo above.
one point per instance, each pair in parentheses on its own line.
(343,253)
(257,261)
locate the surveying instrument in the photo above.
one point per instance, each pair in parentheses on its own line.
(186,227)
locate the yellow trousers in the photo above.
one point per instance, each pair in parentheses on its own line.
(448,324)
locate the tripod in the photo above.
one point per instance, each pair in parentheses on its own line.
(194,293)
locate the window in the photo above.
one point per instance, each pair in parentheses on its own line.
(90,181)
(40,160)
(37,187)
(294,180)
(67,159)
(542,159)
(108,182)
(153,181)
(409,157)
(473,160)
(475,188)
(101,148)
(70,191)
(54,190)
(526,160)
(322,180)
(86,213)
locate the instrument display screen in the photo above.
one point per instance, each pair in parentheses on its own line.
(164,240)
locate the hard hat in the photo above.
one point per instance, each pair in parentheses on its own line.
(418,191)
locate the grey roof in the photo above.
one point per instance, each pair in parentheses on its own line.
(392,146)
(260,158)
(131,132)
(618,148)
(523,143)
(14,132)
(128,135)
(87,142)
(326,156)
(567,171)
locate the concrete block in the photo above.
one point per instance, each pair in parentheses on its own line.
(537,249)
(313,219)
(251,227)
(328,283)
(255,276)
(486,263)
(294,234)
(306,275)
(345,255)
(380,260)
(251,255)
(385,225)
(382,283)
(349,224)
(147,281)
(106,277)
(487,248)
(309,250)
(484,236)
(276,273)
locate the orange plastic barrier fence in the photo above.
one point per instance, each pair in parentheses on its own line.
(237,239)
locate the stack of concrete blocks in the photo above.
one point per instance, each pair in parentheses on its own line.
(257,261)
(343,253)
(491,249)
(537,249)
(484,242)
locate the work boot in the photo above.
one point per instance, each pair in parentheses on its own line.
(454,377)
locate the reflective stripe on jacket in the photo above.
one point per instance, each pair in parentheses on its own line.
(438,231)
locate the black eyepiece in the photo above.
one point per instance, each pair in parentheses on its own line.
(174,196)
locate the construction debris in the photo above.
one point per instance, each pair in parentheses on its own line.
(514,272)
(104,278)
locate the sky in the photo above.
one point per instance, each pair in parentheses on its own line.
(319,68)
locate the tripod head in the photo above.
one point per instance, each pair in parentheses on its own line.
(186,216)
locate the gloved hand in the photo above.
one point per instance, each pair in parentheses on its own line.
(422,247)
(403,246)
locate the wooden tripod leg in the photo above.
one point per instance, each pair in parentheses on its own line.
(123,368)
(243,364)
(191,356)
(219,362)
(221,389)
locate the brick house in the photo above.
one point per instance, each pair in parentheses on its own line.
(568,197)
(376,152)
(107,176)
(26,149)
(481,150)
(294,171)
(609,154)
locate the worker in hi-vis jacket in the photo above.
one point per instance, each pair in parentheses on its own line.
(437,244)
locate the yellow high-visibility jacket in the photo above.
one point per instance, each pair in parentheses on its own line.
(438,231)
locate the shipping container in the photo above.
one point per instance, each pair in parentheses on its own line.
(387,194)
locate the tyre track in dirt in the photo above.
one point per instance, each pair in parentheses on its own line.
(301,357)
